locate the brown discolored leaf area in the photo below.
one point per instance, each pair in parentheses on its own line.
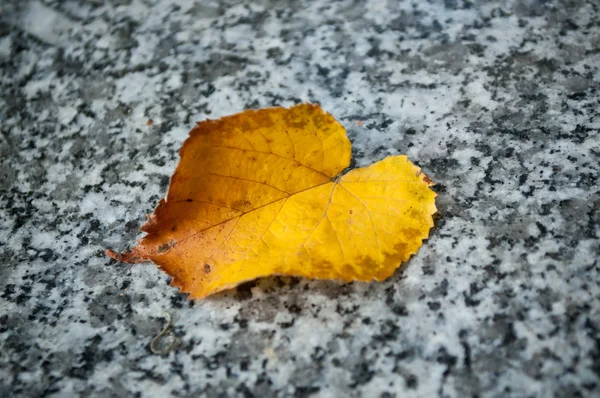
(261,193)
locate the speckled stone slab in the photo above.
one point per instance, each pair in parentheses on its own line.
(497,101)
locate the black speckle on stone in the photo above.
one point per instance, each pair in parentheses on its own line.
(4,28)
(305,391)
(47,255)
(243,323)
(244,291)
(215,361)
(443,165)
(428,270)
(244,391)
(323,72)
(522,179)
(361,374)
(439,188)
(164,182)
(469,301)
(467,353)
(441,290)
(177,300)
(577,96)
(593,332)
(274,52)
(9,290)
(386,123)
(396,307)
(504,323)
(94,225)
(412,382)
(20,299)
(445,358)
(294,309)
(286,325)
(405,355)
(388,331)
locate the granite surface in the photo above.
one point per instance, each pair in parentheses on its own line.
(497,101)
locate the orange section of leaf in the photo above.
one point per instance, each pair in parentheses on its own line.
(260,193)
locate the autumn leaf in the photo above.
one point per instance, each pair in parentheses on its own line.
(263,192)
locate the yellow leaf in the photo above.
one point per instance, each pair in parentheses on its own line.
(260,193)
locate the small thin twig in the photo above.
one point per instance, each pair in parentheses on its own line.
(165,330)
